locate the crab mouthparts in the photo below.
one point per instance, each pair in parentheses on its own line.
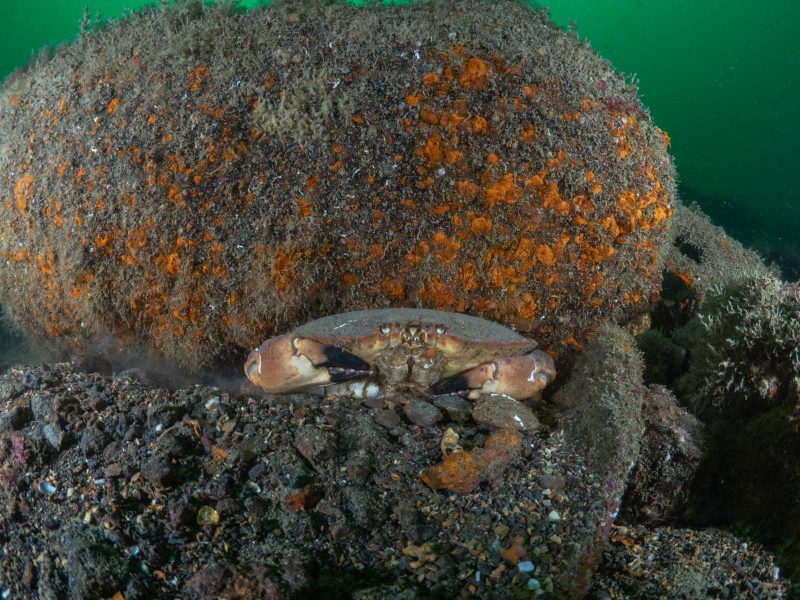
(414,335)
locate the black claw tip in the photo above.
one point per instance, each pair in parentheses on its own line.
(336,357)
(454,385)
(340,375)
(344,366)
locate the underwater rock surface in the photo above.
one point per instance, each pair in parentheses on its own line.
(194,179)
(685,563)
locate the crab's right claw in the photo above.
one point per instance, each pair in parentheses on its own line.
(288,363)
(520,377)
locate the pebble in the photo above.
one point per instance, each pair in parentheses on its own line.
(526,566)
(422,413)
(112,450)
(180,513)
(47,487)
(207,516)
(112,470)
(551,482)
(54,435)
(17,418)
(386,418)
(456,407)
(554,516)
(533,584)
(163,417)
(42,406)
(374,402)
(502,412)
(228,507)
(315,445)
(160,472)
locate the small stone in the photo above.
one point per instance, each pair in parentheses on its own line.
(207,516)
(219,487)
(112,450)
(533,584)
(515,551)
(229,507)
(551,482)
(358,470)
(93,440)
(133,432)
(257,471)
(47,488)
(112,470)
(502,412)
(386,418)
(180,513)
(554,516)
(16,418)
(526,566)
(28,573)
(42,405)
(165,416)
(422,413)
(374,402)
(305,498)
(160,472)
(456,407)
(54,435)
(315,445)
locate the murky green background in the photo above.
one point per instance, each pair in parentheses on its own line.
(721,77)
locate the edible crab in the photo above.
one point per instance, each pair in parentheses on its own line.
(368,353)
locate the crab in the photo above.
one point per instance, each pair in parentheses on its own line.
(371,353)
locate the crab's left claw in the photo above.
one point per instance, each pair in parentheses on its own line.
(288,363)
(520,377)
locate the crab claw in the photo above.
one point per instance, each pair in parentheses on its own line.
(288,363)
(520,377)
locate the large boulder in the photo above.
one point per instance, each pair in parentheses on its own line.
(196,178)
(603,422)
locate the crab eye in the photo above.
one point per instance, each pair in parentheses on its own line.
(385,329)
(439,329)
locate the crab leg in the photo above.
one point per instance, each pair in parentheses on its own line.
(519,377)
(354,389)
(288,363)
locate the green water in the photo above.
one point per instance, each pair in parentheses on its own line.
(722,78)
